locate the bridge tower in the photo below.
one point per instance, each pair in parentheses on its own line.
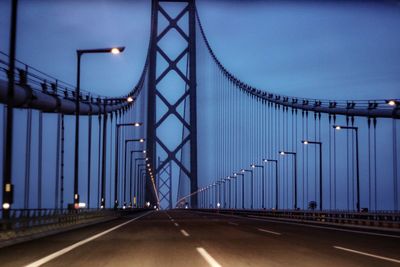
(172,124)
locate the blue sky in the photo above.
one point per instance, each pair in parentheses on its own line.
(307,48)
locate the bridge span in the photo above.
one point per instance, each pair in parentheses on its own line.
(193,166)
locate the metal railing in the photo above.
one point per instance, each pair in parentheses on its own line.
(378,219)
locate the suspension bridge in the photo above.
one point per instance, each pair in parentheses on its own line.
(192,166)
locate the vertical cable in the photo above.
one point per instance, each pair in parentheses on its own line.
(303,156)
(40,157)
(375,178)
(89,159)
(315,157)
(28,157)
(395,188)
(352,162)
(334,164)
(369,163)
(98,162)
(57,161)
(347,165)
(62,162)
(330,160)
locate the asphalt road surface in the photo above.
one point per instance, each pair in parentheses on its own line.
(191,239)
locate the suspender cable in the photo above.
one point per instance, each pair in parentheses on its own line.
(89,159)
(315,157)
(40,160)
(352,162)
(375,178)
(369,163)
(57,185)
(334,164)
(330,161)
(62,162)
(307,162)
(28,157)
(395,182)
(303,156)
(98,162)
(347,165)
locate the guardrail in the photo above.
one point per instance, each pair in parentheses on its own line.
(28,219)
(377,220)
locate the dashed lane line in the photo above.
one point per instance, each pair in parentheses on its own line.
(211,261)
(185,233)
(268,231)
(367,254)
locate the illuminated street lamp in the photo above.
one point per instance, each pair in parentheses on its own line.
(355,129)
(131,170)
(393,102)
(79,54)
(251,184)
(307,142)
(276,179)
(117,137)
(241,174)
(263,182)
(294,154)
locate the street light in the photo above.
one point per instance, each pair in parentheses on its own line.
(126,144)
(241,174)
(276,179)
(283,153)
(393,102)
(307,142)
(251,184)
(131,170)
(263,182)
(139,175)
(79,54)
(355,129)
(119,125)
(229,178)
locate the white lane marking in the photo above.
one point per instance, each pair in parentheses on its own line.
(176,224)
(324,227)
(172,220)
(257,218)
(184,233)
(268,231)
(208,258)
(232,223)
(367,254)
(80,243)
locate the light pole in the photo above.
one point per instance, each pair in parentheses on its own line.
(119,125)
(8,187)
(79,53)
(241,174)
(139,173)
(131,171)
(276,179)
(215,193)
(251,184)
(263,182)
(141,140)
(294,154)
(355,129)
(223,180)
(137,166)
(235,175)
(307,142)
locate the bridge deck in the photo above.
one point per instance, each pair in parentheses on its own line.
(182,238)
